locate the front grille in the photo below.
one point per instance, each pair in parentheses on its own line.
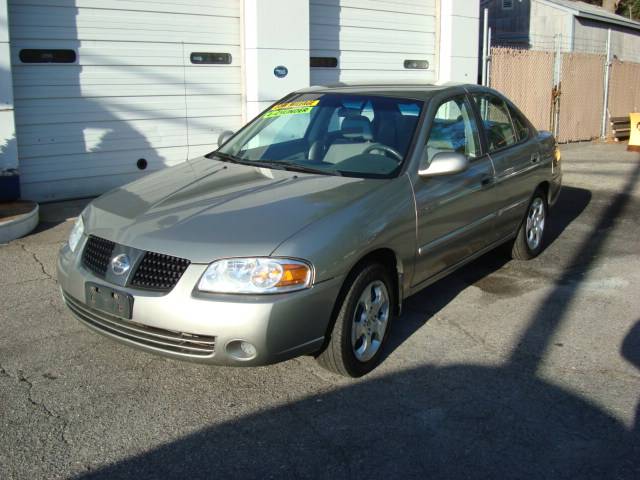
(169,341)
(159,272)
(97,254)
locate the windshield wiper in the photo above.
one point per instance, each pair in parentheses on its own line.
(296,167)
(290,166)
(225,157)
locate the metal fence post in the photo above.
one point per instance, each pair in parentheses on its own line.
(485,53)
(557,85)
(607,79)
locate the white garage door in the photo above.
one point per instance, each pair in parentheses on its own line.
(143,88)
(372,41)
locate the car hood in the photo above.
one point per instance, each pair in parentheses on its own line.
(206,209)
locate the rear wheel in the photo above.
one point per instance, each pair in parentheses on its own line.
(530,239)
(362,324)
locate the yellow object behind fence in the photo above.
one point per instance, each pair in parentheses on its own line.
(634,136)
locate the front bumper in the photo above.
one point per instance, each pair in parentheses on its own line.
(190,325)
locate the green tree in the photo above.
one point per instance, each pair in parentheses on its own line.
(629,8)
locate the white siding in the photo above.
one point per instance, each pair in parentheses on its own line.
(547,21)
(591,37)
(132,93)
(372,38)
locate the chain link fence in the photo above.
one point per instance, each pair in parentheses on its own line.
(564,91)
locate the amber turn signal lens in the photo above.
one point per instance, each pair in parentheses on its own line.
(294,274)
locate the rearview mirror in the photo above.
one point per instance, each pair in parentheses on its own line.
(224,136)
(445,163)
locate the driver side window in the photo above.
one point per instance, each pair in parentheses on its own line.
(454,129)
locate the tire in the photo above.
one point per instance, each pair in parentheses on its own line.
(528,244)
(355,356)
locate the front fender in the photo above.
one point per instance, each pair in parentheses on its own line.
(384,218)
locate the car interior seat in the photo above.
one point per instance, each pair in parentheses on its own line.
(354,137)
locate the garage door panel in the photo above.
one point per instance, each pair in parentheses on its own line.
(38,112)
(208,7)
(364,60)
(332,77)
(27,76)
(89,91)
(120,25)
(363,18)
(72,139)
(371,40)
(96,164)
(418,7)
(122,54)
(132,93)
(357,39)
(113,136)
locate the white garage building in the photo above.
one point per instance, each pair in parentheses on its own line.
(95,93)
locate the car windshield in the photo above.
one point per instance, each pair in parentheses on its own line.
(335,134)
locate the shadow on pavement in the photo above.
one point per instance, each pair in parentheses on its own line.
(630,351)
(464,421)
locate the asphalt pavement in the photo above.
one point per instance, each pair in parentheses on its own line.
(503,370)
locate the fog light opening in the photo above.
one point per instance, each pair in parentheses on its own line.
(242,350)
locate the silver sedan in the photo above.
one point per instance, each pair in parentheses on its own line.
(303,233)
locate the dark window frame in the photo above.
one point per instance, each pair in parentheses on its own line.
(48,55)
(323,62)
(414,64)
(211,58)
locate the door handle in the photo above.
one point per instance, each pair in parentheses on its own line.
(535,158)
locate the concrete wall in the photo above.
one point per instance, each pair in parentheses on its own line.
(458,53)
(8,144)
(276,34)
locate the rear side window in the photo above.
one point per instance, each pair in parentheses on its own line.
(522,128)
(496,121)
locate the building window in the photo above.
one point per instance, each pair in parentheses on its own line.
(416,64)
(47,55)
(507,4)
(324,62)
(211,58)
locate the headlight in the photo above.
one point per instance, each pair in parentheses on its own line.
(76,234)
(255,275)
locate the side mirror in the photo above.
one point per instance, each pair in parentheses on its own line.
(224,136)
(445,163)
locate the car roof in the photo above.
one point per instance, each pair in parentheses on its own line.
(418,91)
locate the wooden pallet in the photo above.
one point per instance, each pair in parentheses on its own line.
(620,128)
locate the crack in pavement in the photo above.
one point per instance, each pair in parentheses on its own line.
(38,261)
(21,378)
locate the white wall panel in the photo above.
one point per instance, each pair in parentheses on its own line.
(132,93)
(372,38)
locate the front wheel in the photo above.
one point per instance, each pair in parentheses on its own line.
(362,324)
(530,239)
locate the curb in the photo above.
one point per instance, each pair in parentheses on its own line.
(19,225)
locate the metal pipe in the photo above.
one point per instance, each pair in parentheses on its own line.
(607,79)
(485,36)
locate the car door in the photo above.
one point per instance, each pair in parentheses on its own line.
(515,154)
(454,212)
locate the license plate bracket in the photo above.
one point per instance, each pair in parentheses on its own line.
(108,300)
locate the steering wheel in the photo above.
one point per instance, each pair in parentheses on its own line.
(383,148)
